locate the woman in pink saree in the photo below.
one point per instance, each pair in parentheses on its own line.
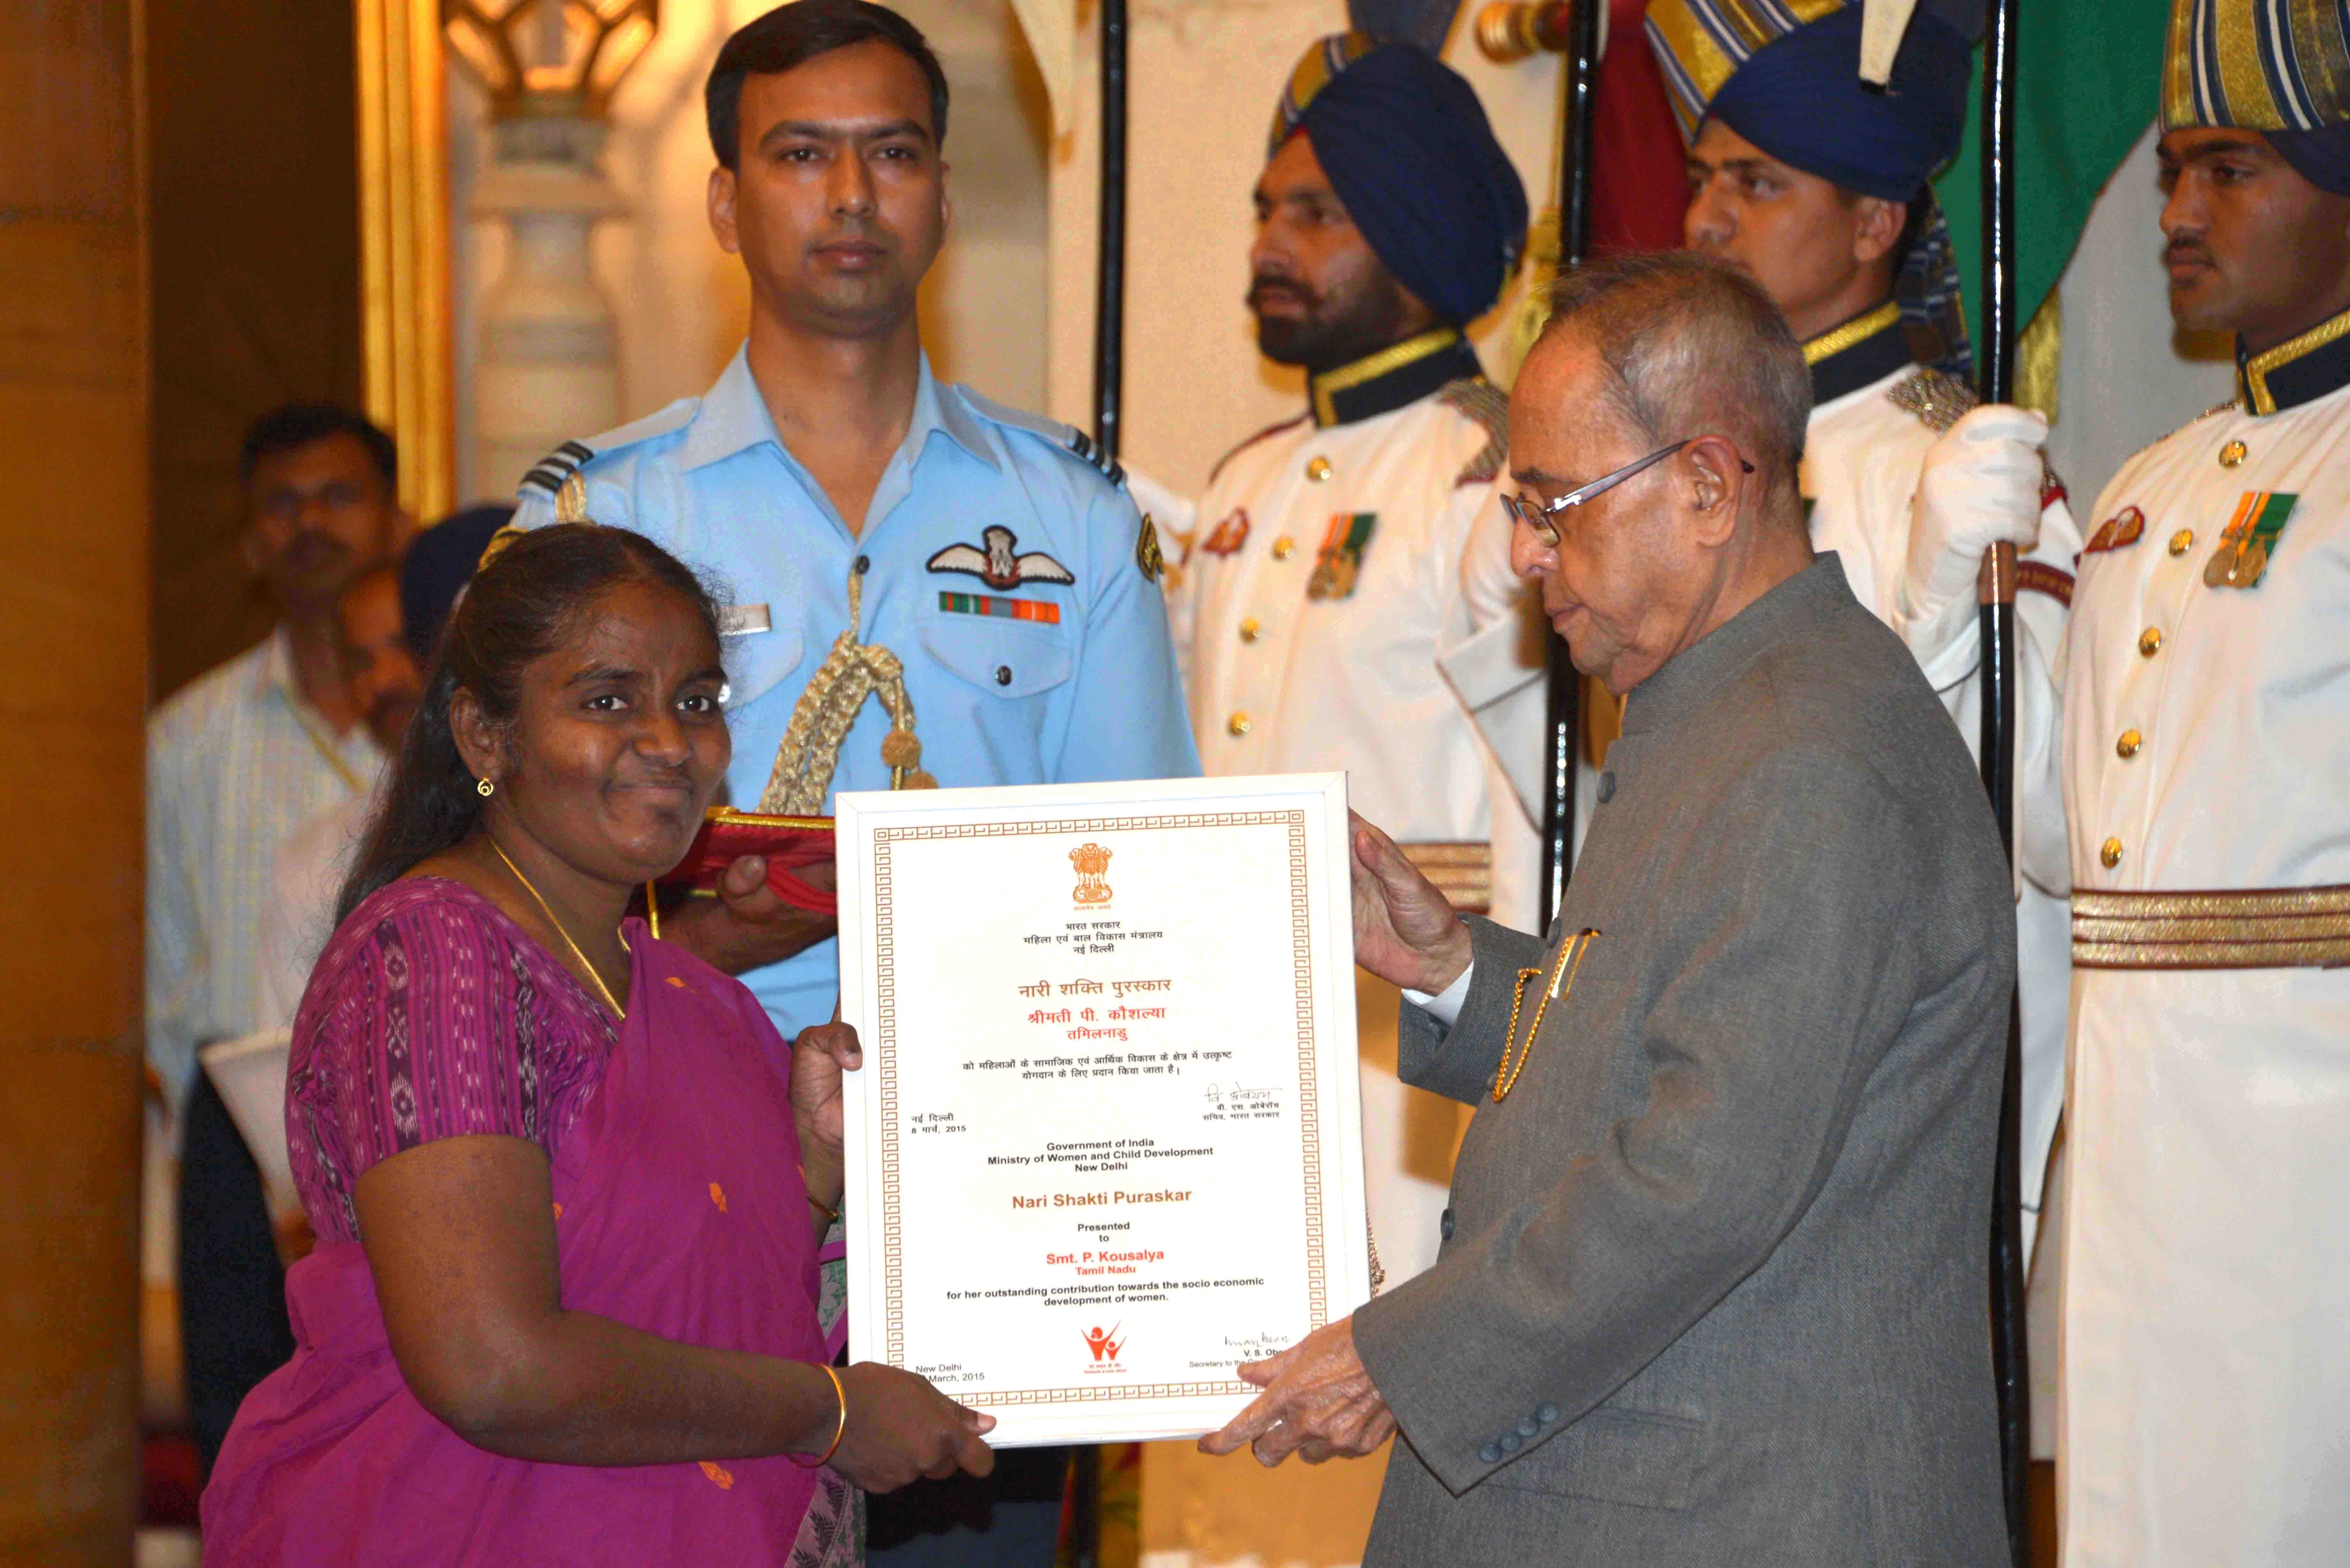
(571,1190)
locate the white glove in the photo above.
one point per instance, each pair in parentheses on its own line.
(1980,487)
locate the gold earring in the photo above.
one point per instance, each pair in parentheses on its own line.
(485,788)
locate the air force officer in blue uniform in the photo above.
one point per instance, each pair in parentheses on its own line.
(994,553)
(866,522)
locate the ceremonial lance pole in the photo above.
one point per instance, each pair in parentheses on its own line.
(1997,598)
(1562,727)
(1109,270)
(1573,29)
(1110,370)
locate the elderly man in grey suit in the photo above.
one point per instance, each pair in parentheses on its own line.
(1712,1288)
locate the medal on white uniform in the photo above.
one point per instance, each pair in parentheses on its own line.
(2251,534)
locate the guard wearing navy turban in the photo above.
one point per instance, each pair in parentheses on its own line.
(1796,93)
(1344,600)
(1408,149)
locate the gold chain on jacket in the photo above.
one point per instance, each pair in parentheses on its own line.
(1570,960)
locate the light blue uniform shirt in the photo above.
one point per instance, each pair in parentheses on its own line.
(1088,694)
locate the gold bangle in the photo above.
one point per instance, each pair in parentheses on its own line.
(839,1431)
(831,1215)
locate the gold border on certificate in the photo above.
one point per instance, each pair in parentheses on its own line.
(885,1041)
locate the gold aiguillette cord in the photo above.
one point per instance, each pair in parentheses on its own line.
(1562,984)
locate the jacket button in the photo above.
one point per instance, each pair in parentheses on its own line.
(2150,641)
(1444,1225)
(2109,854)
(1251,631)
(1238,724)
(1511,1443)
(2182,541)
(1003,675)
(1547,1414)
(1527,1428)
(1318,469)
(2231,454)
(864,565)
(1284,547)
(2126,747)
(1490,1453)
(1606,786)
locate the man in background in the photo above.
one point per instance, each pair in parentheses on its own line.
(1816,185)
(2207,746)
(236,762)
(391,619)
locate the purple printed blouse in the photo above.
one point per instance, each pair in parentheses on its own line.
(432,1016)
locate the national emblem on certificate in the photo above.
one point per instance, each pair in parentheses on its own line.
(1106,1142)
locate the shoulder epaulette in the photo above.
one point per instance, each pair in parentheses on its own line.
(1939,400)
(1068,438)
(1490,407)
(1273,429)
(549,472)
(2235,403)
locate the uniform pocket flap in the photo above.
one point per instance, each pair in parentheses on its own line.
(1008,658)
(756,660)
(1636,1457)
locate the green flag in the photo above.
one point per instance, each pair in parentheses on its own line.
(2088,83)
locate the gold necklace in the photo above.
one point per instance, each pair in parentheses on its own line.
(618,1011)
(1570,960)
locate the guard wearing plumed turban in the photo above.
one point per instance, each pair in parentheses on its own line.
(2207,1245)
(1818,183)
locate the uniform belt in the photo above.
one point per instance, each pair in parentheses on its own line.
(2250,927)
(1463,873)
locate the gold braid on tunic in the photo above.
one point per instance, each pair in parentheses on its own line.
(836,694)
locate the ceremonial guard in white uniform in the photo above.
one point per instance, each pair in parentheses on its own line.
(1334,558)
(1346,602)
(2206,1408)
(1904,479)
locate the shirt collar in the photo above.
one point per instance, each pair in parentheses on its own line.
(1692,676)
(1868,347)
(275,673)
(1399,374)
(2298,370)
(733,418)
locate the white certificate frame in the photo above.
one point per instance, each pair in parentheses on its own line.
(875,833)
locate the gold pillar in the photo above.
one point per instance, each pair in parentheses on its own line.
(73,690)
(404,278)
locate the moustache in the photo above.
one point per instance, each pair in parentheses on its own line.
(310,548)
(2187,250)
(1263,288)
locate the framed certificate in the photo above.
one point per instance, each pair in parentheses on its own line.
(1106,1142)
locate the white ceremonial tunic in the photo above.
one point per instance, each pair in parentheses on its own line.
(2206,1407)
(1864,452)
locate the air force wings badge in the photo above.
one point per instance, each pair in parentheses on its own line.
(992,561)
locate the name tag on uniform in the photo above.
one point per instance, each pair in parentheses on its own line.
(741,621)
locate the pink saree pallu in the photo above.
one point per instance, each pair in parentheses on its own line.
(678,1211)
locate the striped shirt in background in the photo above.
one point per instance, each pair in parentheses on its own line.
(235,763)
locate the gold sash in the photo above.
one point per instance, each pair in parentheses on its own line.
(1463,873)
(2251,928)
